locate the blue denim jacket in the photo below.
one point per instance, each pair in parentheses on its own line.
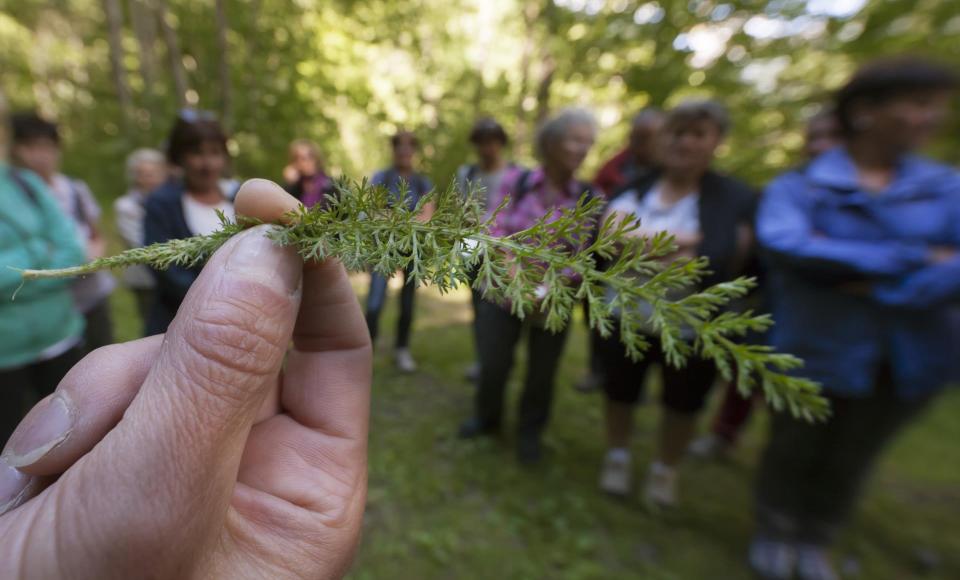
(851,282)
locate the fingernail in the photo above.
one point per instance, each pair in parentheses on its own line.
(13,486)
(45,426)
(258,257)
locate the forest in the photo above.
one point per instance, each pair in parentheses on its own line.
(347,73)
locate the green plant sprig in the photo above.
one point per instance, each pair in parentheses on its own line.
(545,270)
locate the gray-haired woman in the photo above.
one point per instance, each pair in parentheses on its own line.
(146,171)
(562,145)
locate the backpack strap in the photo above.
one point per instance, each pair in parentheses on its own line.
(25,186)
(79,212)
(472,171)
(523,185)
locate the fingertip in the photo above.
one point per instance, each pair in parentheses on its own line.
(266,201)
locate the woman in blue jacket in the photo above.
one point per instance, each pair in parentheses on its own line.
(862,247)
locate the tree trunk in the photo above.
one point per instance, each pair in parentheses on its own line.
(173,51)
(114,14)
(531,10)
(226,96)
(144,21)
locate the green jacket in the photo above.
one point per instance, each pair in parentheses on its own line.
(34,233)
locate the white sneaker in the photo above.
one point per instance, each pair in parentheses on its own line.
(772,559)
(615,476)
(472,373)
(660,490)
(813,563)
(404,360)
(709,447)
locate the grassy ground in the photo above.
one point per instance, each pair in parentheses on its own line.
(443,508)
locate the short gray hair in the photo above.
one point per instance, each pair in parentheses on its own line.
(141,156)
(647,115)
(699,110)
(555,128)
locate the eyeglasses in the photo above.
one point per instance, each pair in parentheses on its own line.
(196,115)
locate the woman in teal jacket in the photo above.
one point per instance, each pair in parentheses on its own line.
(40,331)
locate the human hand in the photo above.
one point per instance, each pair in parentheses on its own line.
(290,174)
(96,248)
(940,254)
(200,454)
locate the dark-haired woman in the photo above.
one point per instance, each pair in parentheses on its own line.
(186,206)
(862,249)
(711,215)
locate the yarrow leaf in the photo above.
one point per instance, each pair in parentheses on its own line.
(629,283)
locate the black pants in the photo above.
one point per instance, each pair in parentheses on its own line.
(811,474)
(498,333)
(99,329)
(144,297)
(594,340)
(21,388)
(376,299)
(684,390)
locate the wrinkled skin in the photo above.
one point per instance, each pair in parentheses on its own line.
(193,455)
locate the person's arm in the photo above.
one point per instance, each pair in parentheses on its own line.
(158,227)
(129,221)
(96,244)
(785,230)
(427,212)
(938,283)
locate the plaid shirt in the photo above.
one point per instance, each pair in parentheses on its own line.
(536,202)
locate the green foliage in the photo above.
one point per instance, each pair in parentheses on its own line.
(346,73)
(535,270)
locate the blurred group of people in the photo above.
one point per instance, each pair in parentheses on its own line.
(856,250)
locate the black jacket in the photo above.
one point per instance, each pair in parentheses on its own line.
(725,204)
(163,221)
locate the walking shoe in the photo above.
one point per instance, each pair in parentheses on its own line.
(473,428)
(772,559)
(472,373)
(813,563)
(710,446)
(615,475)
(529,449)
(404,360)
(589,383)
(660,490)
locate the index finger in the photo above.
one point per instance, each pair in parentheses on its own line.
(328,374)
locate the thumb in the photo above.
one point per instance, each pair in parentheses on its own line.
(186,429)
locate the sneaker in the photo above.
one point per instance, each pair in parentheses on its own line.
(472,373)
(404,360)
(529,449)
(589,383)
(813,563)
(615,476)
(772,559)
(473,428)
(660,490)
(709,446)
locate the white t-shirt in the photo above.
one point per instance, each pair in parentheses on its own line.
(681,217)
(201,218)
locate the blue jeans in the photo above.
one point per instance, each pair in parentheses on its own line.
(377,297)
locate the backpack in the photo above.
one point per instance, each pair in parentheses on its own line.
(523,187)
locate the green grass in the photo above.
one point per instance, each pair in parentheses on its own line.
(443,508)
